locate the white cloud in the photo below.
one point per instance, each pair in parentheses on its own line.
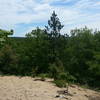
(81,13)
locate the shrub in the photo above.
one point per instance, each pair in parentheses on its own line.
(62,76)
(33,73)
(53,71)
(60,83)
(66,76)
(42,76)
(71,79)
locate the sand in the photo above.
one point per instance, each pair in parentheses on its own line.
(27,88)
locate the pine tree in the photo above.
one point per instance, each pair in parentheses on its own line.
(53,30)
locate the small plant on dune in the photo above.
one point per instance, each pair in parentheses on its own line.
(60,83)
(34,72)
(42,76)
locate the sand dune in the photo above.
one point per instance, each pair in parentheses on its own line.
(27,88)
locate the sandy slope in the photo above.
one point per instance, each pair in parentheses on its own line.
(26,88)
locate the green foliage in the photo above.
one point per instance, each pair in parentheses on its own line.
(53,31)
(54,26)
(67,77)
(42,76)
(4,36)
(38,47)
(4,33)
(94,65)
(8,60)
(74,58)
(60,83)
(55,69)
(33,72)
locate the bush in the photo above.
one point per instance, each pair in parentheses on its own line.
(53,71)
(62,76)
(42,76)
(66,76)
(33,73)
(71,79)
(60,83)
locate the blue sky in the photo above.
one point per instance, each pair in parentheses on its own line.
(25,15)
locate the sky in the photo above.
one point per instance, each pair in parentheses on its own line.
(24,15)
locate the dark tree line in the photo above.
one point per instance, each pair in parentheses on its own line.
(75,58)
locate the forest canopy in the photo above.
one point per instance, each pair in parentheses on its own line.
(74,58)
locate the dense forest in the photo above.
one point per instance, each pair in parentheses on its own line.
(74,58)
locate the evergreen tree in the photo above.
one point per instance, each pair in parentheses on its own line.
(53,29)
